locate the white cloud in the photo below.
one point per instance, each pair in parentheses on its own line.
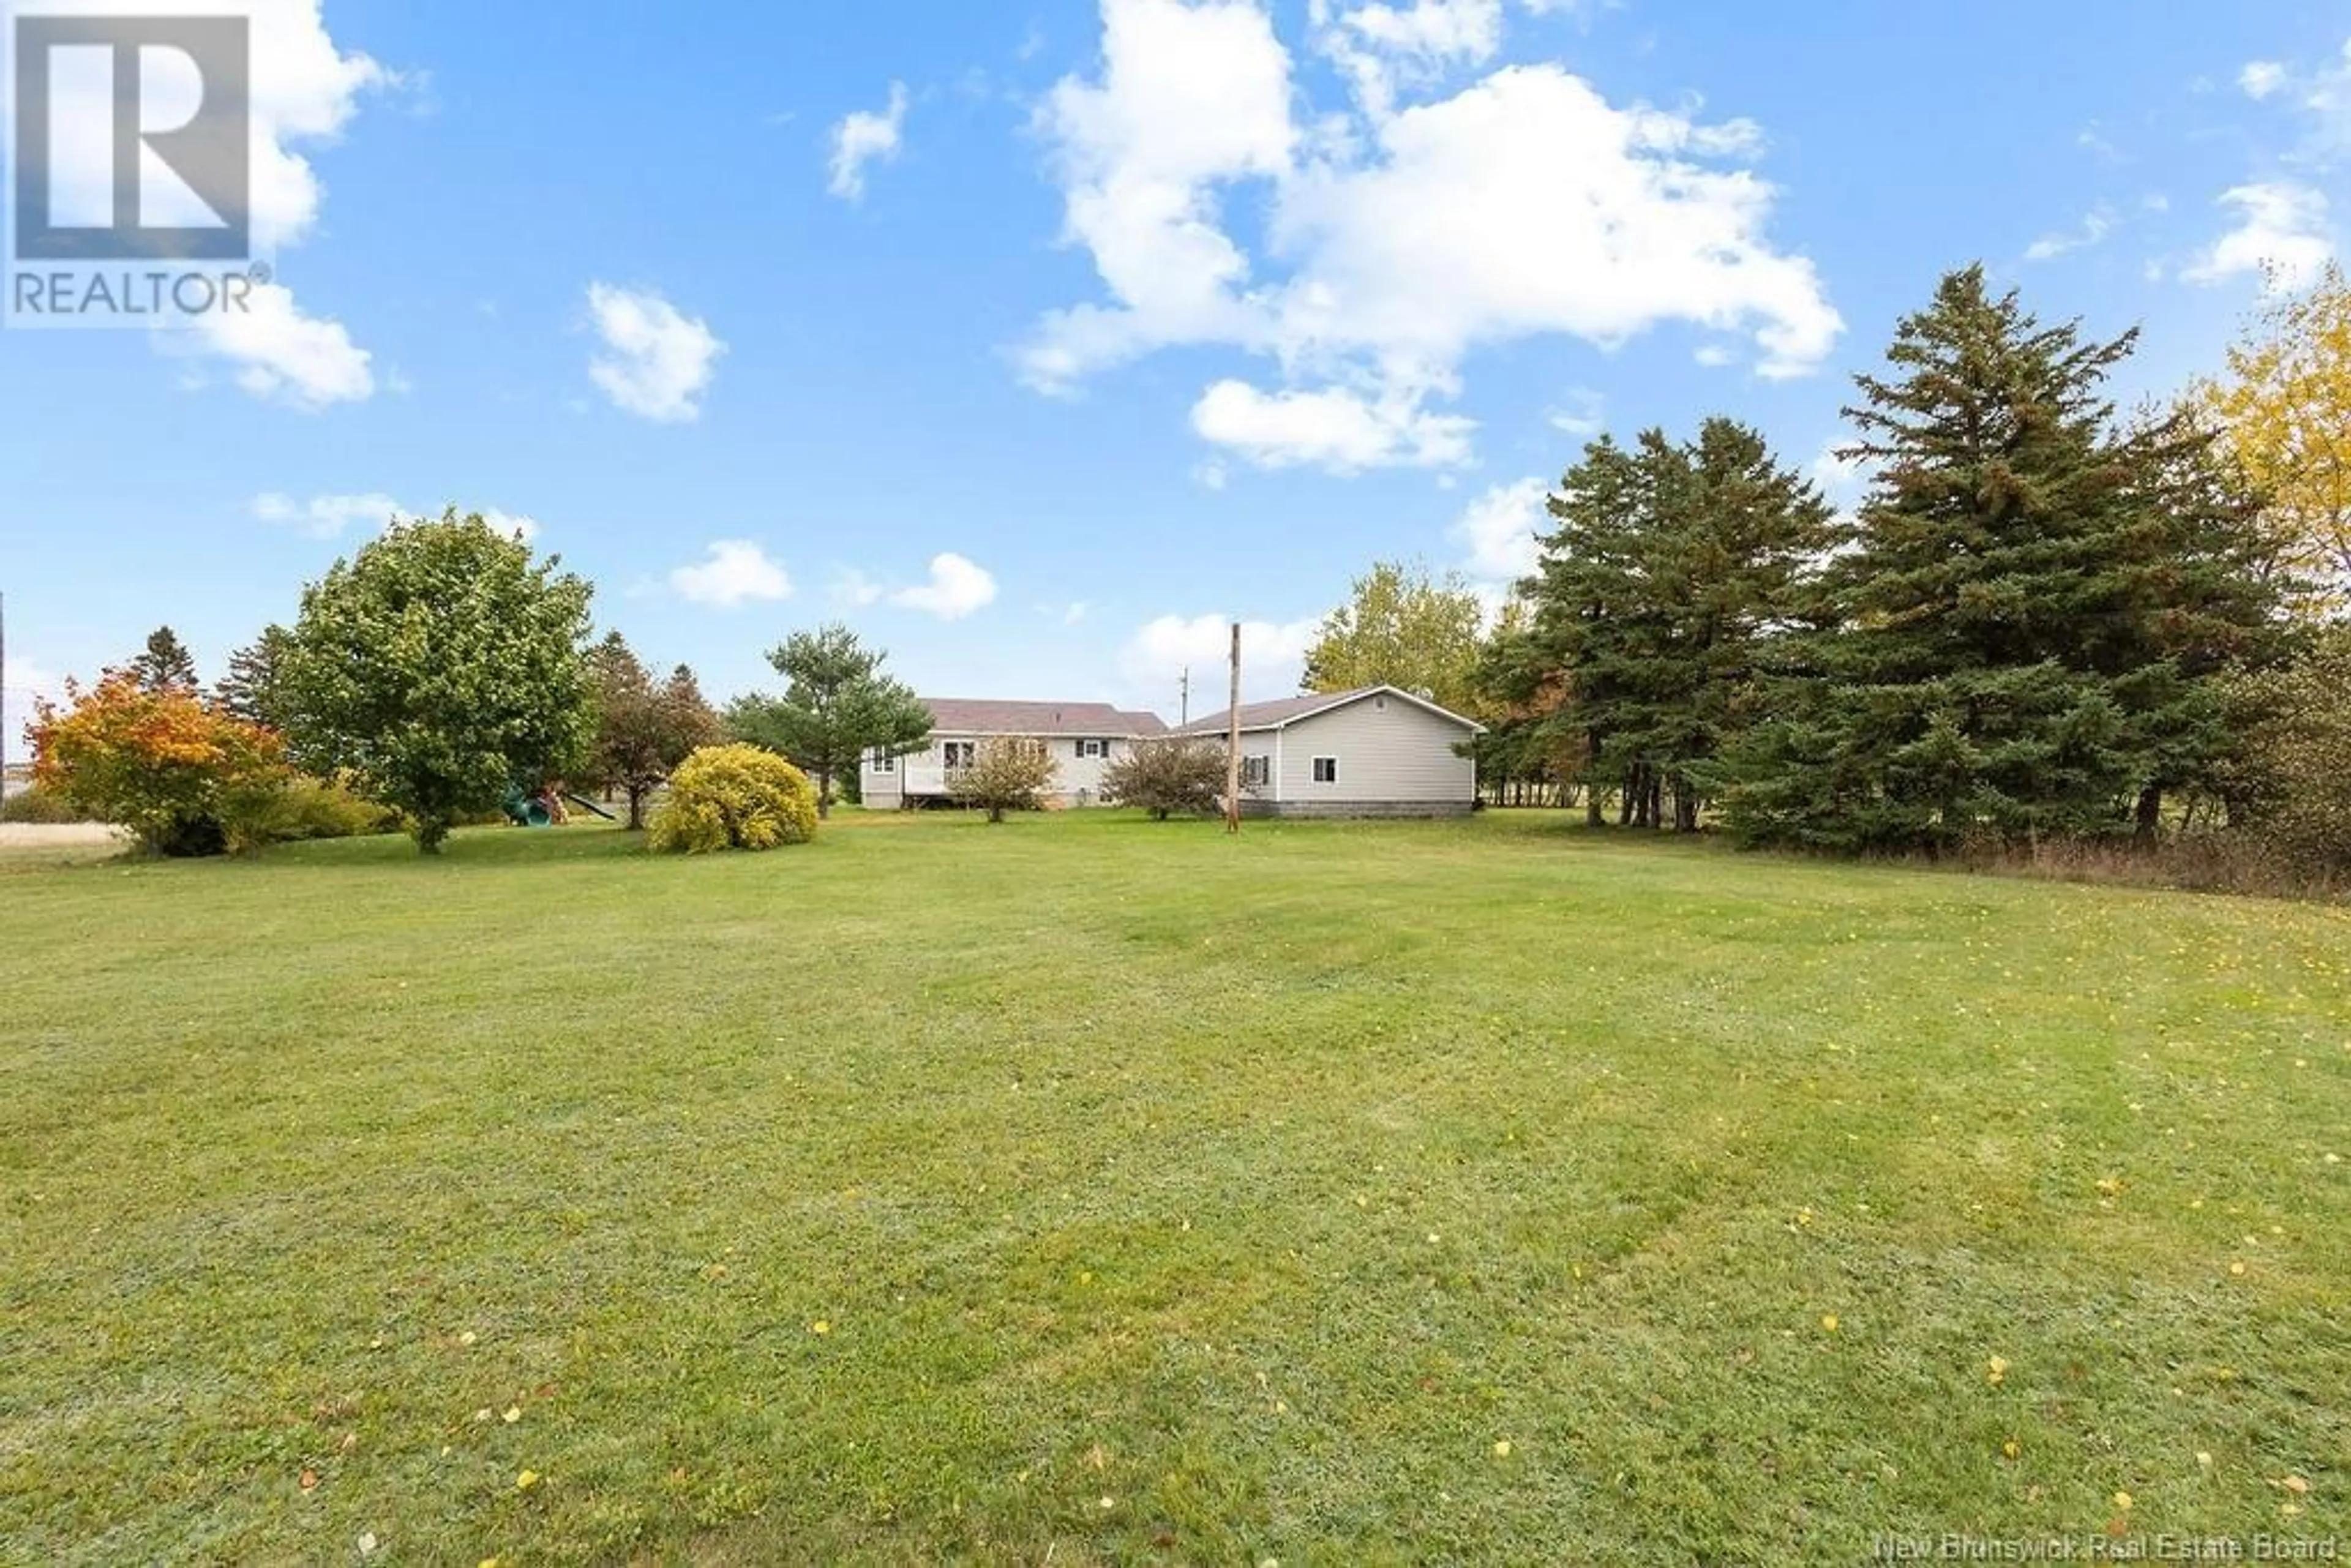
(1562,214)
(736,571)
(2327,102)
(854,589)
(2281,234)
(2320,98)
(957,586)
(866,137)
(27,682)
(2096,225)
(1384,48)
(1396,242)
(326,517)
(1583,11)
(1333,428)
(1583,412)
(284,355)
(1190,96)
(304,90)
(1272,657)
(1841,479)
(1501,532)
(658,361)
(1713,356)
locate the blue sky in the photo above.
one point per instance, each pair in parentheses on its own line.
(1036,339)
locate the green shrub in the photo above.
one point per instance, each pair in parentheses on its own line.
(1164,777)
(2295,789)
(734,797)
(38,805)
(323,808)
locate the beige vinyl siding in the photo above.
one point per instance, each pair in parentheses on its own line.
(925,772)
(1386,749)
(1075,776)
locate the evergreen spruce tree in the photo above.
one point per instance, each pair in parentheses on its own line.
(249,690)
(2017,645)
(1672,567)
(165,664)
(1725,564)
(1587,621)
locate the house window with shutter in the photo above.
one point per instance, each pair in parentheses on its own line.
(1094,748)
(884,762)
(1326,770)
(962,753)
(1257,771)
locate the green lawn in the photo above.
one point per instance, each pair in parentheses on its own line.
(1092,1190)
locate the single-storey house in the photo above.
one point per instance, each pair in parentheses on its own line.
(1375,751)
(1082,737)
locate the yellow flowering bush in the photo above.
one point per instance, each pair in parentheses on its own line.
(734,797)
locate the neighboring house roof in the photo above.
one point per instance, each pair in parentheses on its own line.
(1288,711)
(986,715)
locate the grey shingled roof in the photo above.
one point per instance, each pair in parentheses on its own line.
(989,716)
(1285,710)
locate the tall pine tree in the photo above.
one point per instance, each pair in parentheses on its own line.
(2018,641)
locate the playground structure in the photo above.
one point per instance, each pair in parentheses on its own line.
(545,807)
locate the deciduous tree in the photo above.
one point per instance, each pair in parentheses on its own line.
(2293,775)
(642,731)
(2283,413)
(1164,777)
(442,664)
(1010,773)
(187,778)
(1401,627)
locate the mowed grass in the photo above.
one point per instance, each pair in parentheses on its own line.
(1092,1190)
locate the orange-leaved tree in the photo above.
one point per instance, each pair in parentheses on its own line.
(186,777)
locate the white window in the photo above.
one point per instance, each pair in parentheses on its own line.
(962,753)
(884,762)
(1326,770)
(1257,770)
(1094,748)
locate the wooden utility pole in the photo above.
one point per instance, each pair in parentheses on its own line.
(1233,743)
